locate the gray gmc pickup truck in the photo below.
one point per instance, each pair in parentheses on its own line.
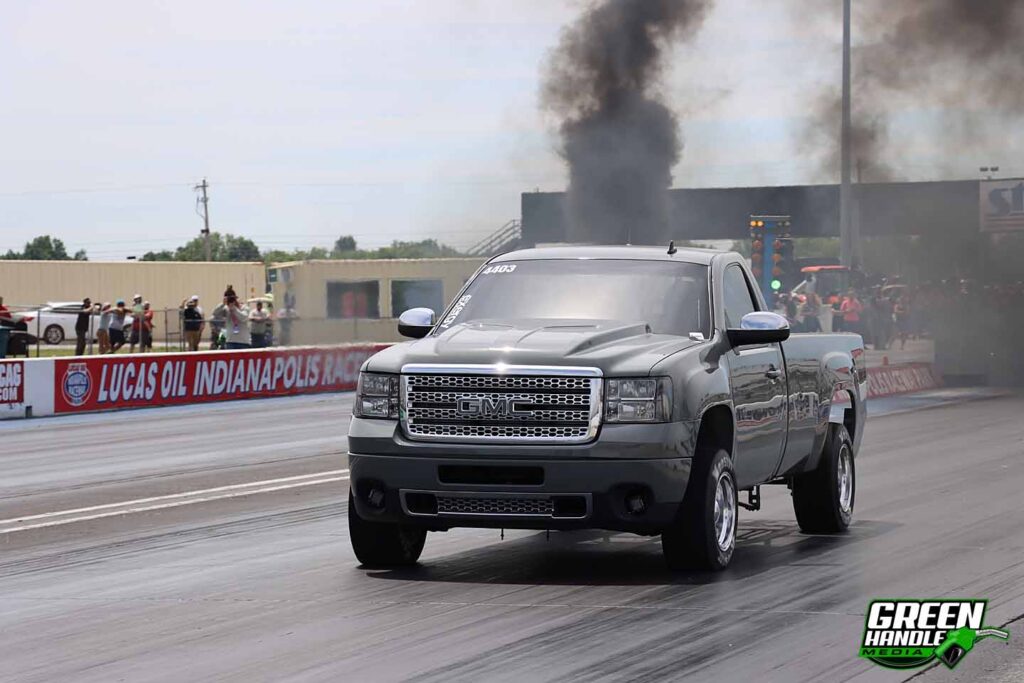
(633,389)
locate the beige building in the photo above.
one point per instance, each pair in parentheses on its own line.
(163,283)
(340,301)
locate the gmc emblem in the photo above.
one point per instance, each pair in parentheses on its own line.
(493,407)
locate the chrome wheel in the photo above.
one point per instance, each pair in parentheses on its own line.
(844,480)
(725,512)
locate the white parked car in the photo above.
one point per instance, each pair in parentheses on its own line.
(56,321)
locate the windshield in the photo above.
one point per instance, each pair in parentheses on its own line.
(670,297)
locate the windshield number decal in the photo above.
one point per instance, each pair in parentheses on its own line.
(459,305)
(503,268)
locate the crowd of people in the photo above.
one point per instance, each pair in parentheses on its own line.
(232,324)
(889,314)
(882,318)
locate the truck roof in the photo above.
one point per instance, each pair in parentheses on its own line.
(687,255)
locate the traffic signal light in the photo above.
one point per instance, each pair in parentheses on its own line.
(757,248)
(771,252)
(783,266)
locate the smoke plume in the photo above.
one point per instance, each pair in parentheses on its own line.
(618,137)
(964,56)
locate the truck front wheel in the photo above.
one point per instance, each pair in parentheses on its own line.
(703,535)
(823,499)
(381,545)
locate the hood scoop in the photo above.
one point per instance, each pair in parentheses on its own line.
(561,336)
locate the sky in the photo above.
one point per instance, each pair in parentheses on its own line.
(384,120)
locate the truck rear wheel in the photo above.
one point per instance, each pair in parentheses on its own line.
(381,544)
(823,499)
(703,535)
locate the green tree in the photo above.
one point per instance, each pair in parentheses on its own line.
(285,256)
(345,248)
(225,247)
(428,248)
(46,248)
(344,245)
(164,255)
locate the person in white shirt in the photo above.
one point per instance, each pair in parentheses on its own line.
(103,328)
(259,321)
(236,322)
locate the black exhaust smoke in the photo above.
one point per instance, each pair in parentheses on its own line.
(617,135)
(962,56)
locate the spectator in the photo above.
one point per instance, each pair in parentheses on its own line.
(5,313)
(851,309)
(82,324)
(192,315)
(285,316)
(833,302)
(217,326)
(235,317)
(103,328)
(790,311)
(901,315)
(142,328)
(259,322)
(810,310)
(117,322)
(883,320)
(147,327)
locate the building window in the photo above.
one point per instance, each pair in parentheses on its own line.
(353,299)
(406,294)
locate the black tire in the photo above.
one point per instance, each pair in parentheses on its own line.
(53,334)
(382,545)
(693,541)
(823,499)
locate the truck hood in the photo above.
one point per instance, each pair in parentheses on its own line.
(617,348)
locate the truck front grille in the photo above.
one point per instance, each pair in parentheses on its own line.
(483,504)
(463,505)
(477,403)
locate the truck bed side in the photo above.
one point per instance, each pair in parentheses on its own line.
(819,369)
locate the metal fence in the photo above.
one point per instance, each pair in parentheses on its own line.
(45,330)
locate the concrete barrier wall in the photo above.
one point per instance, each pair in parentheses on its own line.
(905,378)
(61,386)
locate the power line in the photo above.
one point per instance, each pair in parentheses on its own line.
(92,190)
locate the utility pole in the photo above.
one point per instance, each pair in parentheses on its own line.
(849,230)
(205,201)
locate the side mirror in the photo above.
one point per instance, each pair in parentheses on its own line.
(759,327)
(416,322)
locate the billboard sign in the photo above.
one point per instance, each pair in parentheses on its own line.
(12,382)
(112,382)
(1001,203)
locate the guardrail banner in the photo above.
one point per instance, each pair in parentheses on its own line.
(111,382)
(887,380)
(12,382)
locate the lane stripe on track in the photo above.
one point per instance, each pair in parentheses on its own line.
(60,517)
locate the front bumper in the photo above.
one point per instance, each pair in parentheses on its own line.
(569,493)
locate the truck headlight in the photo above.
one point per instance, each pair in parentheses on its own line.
(647,399)
(376,396)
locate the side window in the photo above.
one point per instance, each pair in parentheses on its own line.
(736,295)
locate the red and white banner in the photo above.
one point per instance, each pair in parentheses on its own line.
(887,380)
(12,382)
(112,382)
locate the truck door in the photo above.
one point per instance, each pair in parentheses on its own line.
(758,382)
